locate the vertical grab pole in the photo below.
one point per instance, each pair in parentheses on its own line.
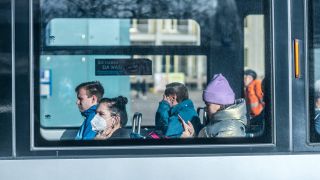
(139,123)
(134,119)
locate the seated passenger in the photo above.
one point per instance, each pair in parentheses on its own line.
(111,118)
(256,125)
(227,116)
(88,96)
(176,103)
(317,112)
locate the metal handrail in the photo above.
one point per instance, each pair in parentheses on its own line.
(136,123)
(204,116)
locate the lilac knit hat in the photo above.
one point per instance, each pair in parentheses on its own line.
(219,91)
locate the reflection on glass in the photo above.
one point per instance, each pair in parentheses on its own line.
(314,49)
(60,101)
(147,91)
(317,107)
(107,32)
(254,58)
(316,90)
(59,80)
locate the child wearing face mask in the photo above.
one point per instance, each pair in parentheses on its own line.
(111,118)
(174,105)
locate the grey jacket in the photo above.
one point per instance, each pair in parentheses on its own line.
(229,122)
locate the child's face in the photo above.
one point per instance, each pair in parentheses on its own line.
(172,99)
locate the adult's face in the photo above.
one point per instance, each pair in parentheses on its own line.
(212,109)
(247,80)
(83,101)
(105,113)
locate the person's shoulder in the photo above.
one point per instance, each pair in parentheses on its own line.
(257,82)
(187,104)
(164,103)
(121,133)
(187,113)
(163,106)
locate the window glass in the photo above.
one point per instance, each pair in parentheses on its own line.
(314,66)
(254,74)
(147,91)
(179,70)
(58,81)
(121,32)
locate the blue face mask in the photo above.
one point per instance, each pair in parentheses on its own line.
(98,123)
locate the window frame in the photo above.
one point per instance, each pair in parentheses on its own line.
(309,140)
(36,146)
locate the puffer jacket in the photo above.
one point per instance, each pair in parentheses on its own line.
(167,120)
(229,122)
(317,120)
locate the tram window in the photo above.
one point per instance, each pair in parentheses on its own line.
(108,32)
(314,66)
(254,74)
(182,46)
(147,91)
(58,81)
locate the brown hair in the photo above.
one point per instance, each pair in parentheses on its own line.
(117,106)
(178,89)
(92,88)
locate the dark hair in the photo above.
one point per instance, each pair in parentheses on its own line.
(92,88)
(117,106)
(178,89)
(250,72)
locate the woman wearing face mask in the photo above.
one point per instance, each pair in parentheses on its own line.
(111,118)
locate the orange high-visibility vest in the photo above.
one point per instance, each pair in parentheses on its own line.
(254,96)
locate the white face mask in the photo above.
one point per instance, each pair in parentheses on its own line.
(98,123)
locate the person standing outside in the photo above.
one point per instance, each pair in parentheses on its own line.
(88,96)
(253,93)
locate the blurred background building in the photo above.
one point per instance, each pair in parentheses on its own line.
(190,70)
(254,44)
